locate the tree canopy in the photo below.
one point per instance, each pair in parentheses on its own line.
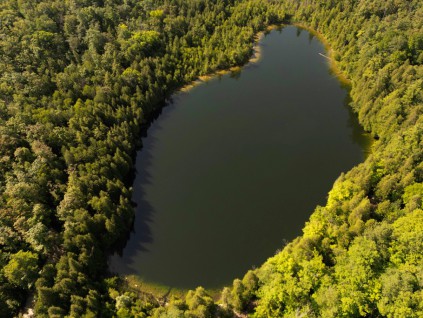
(79,80)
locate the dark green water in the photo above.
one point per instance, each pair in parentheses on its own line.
(236,166)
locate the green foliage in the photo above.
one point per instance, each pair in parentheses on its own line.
(22,269)
(79,79)
(197,303)
(366,240)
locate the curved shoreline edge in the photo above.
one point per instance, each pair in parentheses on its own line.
(158,290)
(254,58)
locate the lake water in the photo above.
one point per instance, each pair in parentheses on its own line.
(233,168)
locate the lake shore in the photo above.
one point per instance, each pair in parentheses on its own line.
(160,293)
(266,102)
(333,65)
(255,58)
(257,54)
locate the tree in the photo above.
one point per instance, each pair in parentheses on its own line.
(22,269)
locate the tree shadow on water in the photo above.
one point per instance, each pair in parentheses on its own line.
(358,135)
(137,241)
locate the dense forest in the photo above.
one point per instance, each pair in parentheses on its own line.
(80,80)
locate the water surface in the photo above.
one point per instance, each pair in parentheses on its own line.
(233,168)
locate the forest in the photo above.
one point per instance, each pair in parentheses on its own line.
(80,80)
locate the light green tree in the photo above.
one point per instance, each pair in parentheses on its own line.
(22,269)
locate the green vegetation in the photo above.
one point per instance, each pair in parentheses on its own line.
(361,254)
(79,79)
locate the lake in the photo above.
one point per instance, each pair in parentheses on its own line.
(232,169)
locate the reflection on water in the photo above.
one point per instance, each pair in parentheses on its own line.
(236,166)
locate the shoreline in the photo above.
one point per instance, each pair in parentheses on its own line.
(254,58)
(340,76)
(257,55)
(162,292)
(333,66)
